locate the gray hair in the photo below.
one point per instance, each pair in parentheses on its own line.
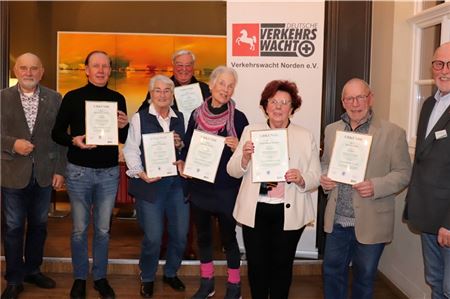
(221,69)
(358,80)
(160,78)
(182,52)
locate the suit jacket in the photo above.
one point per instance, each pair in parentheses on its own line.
(48,157)
(388,168)
(428,199)
(298,205)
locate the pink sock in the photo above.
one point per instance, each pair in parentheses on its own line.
(234,275)
(207,270)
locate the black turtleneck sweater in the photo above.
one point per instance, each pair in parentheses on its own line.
(70,122)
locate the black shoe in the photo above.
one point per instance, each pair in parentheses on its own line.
(175,283)
(147,289)
(12,291)
(105,290)
(206,289)
(78,290)
(40,280)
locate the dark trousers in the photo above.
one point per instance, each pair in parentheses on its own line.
(270,252)
(227,226)
(29,205)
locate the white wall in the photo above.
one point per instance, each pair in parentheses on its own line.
(402,260)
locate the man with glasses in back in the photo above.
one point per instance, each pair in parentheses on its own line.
(32,164)
(183,62)
(428,199)
(359,218)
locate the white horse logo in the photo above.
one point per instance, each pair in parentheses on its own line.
(246,39)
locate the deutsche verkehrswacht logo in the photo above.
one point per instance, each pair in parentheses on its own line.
(274,39)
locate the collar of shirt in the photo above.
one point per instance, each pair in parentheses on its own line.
(442,99)
(346,119)
(163,122)
(36,93)
(152,111)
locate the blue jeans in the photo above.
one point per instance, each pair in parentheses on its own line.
(29,204)
(437,266)
(170,205)
(341,248)
(91,190)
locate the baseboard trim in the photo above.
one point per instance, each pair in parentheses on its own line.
(188,268)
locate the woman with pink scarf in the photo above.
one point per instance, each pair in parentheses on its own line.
(217,115)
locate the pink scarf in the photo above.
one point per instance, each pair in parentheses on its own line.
(214,123)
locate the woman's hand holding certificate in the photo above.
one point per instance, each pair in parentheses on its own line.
(270,160)
(203,157)
(159,152)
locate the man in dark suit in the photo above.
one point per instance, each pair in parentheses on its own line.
(428,198)
(32,164)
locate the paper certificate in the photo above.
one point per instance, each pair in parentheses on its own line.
(188,98)
(204,155)
(270,161)
(101,123)
(349,158)
(159,153)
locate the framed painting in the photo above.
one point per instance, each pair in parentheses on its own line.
(136,58)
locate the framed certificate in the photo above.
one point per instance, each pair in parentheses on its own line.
(188,98)
(159,153)
(349,157)
(101,123)
(203,157)
(270,161)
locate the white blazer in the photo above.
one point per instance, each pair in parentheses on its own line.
(298,205)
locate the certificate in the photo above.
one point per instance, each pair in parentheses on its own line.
(101,123)
(270,161)
(159,154)
(349,157)
(188,98)
(204,156)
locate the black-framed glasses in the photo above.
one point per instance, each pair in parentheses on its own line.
(439,65)
(359,98)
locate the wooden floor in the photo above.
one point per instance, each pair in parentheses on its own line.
(125,238)
(127,287)
(123,270)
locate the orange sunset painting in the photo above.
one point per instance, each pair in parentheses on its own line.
(136,58)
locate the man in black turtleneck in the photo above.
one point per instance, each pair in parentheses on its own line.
(92,174)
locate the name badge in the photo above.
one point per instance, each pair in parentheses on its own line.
(440,134)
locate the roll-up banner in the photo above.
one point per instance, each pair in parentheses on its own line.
(279,40)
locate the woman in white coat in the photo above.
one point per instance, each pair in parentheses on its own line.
(273,215)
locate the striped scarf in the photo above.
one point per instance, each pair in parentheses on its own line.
(214,123)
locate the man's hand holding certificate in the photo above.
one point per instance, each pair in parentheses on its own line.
(101,123)
(188,98)
(204,155)
(349,158)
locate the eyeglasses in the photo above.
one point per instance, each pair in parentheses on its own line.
(359,98)
(158,91)
(282,102)
(439,65)
(184,66)
(25,69)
